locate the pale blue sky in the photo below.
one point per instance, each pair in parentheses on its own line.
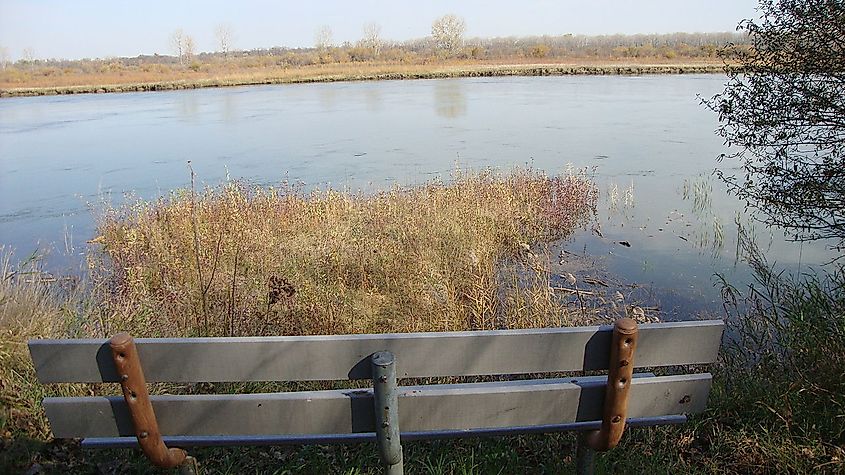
(101,28)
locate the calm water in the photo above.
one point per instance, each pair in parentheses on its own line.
(647,139)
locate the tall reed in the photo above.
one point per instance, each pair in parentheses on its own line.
(257,261)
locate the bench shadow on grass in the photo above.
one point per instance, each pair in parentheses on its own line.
(25,455)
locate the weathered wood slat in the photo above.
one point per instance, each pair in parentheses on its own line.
(421,408)
(310,358)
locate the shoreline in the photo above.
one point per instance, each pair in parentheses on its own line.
(377,74)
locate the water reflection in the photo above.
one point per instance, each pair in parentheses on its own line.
(648,137)
(449,98)
(229,107)
(327,97)
(187,105)
(372,97)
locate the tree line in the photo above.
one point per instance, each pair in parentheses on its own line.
(447,41)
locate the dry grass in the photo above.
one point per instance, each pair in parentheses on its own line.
(166,78)
(32,305)
(240,261)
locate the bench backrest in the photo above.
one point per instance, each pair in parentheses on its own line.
(470,406)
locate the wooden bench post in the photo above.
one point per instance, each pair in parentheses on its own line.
(137,398)
(620,372)
(386,402)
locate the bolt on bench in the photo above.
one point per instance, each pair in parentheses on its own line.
(598,406)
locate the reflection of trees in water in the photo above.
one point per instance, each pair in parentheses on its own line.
(373,98)
(188,105)
(229,109)
(449,98)
(327,96)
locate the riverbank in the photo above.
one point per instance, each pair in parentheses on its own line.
(465,255)
(187,79)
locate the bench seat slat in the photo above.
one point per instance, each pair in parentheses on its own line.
(421,408)
(339,357)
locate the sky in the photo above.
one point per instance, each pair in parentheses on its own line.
(106,28)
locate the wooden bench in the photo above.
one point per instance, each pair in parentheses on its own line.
(598,406)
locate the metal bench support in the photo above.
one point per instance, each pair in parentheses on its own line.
(585,456)
(137,398)
(386,401)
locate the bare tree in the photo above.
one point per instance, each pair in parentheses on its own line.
(448,33)
(372,38)
(28,58)
(28,55)
(323,38)
(189,47)
(177,42)
(225,35)
(4,57)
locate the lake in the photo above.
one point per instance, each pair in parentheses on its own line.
(665,225)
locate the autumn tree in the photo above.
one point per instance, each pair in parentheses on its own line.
(783,114)
(448,33)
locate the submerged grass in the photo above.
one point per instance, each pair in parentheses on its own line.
(778,400)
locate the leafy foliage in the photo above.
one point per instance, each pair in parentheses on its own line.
(783,112)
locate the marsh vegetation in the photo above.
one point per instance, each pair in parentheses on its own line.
(777,403)
(445,54)
(240,260)
(236,260)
